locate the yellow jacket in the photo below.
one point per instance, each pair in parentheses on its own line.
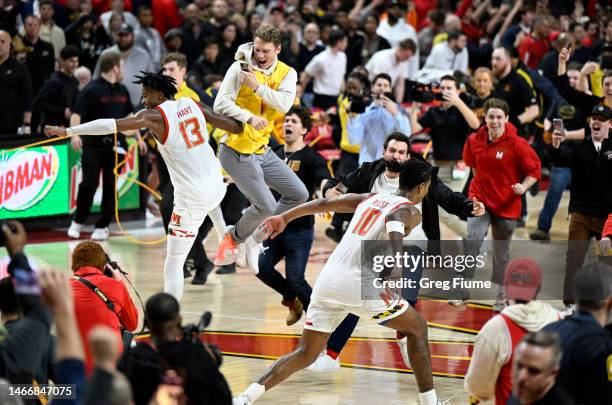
(185,91)
(343,115)
(252,140)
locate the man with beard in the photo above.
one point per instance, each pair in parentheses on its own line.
(381,176)
(513,89)
(135,60)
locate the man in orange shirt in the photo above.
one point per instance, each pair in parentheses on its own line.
(117,311)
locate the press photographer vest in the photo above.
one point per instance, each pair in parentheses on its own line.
(251,140)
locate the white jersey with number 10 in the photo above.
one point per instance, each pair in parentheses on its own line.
(194,169)
(340,279)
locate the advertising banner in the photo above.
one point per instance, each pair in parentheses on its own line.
(44,180)
(34,182)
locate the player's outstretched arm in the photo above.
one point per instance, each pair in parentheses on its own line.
(151,119)
(221,121)
(343,203)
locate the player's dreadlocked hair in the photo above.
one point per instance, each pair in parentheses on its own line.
(158,81)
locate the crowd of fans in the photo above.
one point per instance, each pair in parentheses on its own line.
(381,78)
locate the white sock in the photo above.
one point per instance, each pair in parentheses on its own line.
(428,398)
(216,216)
(255,391)
(176,254)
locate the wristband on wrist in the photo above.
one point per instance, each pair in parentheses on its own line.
(395,226)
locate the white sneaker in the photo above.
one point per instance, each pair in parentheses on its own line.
(324,364)
(252,252)
(100,234)
(241,257)
(403,346)
(74,231)
(242,399)
(569,310)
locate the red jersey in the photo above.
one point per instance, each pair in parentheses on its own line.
(92,311)
(499,164)
(532,50)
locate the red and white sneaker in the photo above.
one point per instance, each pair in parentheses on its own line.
(227,251)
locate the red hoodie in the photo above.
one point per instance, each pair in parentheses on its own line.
(607,231)
(499,165)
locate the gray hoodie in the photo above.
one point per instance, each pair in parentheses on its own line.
(492,348)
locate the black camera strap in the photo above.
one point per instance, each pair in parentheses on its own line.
(109,304)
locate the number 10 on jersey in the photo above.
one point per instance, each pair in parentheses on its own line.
(366,221)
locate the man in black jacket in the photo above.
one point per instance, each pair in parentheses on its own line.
(58,94)
(591,188)
(586,368)
(378,177)
(364,179)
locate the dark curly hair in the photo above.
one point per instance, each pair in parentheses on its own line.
(303,114)
(158,81)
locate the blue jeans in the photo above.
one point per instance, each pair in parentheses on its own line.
(560,177)
(342,333)
(294,245)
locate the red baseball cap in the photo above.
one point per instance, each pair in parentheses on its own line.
(522,279)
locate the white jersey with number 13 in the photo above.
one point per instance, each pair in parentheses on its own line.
(194,169)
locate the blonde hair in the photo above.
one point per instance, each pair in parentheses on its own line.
(269,33)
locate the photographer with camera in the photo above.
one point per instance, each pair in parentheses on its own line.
(449,126)
(167,361)
(380,119)
(100,297)
(354,100)
(11,317)
(24,347)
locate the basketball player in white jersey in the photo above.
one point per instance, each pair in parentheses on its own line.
(179,127)
(337,291)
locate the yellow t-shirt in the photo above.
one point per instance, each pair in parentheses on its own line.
(185,91)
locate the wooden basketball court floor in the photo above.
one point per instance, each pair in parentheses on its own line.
(249,324)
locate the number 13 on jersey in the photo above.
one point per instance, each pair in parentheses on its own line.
(190,129)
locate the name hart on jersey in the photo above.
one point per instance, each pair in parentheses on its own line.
(185,111)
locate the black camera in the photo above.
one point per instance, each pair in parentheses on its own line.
(422,93)
(112,265)
(192,332)
(11,227)
(359,102)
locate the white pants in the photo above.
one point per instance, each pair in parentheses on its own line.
(182,231)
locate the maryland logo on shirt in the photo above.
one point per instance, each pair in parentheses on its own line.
(175,219)
(294,165)
(499,155)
